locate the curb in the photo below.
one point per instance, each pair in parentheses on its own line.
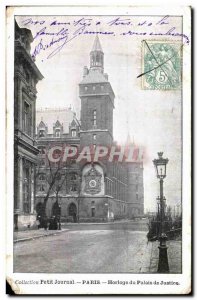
(39,236)
(107,223)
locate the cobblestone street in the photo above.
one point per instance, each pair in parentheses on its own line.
(85,251)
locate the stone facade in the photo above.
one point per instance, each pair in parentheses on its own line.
(26,76)
(90,192)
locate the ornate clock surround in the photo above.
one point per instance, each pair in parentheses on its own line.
(93,181)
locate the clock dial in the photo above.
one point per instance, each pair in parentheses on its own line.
(92,183)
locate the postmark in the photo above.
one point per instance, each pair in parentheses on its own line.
(161,68)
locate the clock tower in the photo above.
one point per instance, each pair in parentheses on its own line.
(97,101)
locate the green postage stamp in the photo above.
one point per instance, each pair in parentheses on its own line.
(161,65)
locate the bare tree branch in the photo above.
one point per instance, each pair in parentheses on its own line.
(51,175)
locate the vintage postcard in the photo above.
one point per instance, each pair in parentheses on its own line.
(98,104)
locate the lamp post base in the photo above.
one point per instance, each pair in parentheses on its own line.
(163,266)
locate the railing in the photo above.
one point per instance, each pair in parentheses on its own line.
(173,233)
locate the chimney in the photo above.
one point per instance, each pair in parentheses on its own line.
(85,71)
(106,76)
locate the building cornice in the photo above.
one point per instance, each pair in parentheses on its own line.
(19,49)
(26,145)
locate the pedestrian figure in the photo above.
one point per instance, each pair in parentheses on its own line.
(45,222)
(53,223)
(56,212)
(40,209)
(74,217)
(38,221)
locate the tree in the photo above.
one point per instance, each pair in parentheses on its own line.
(53,174)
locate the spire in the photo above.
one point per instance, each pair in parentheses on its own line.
(97,56)
(97,45)
(129,141)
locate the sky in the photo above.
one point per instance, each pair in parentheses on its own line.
(152,118)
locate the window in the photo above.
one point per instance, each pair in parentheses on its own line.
(41,132)
(94,137)
(41,176)
(42,189)
(57,133)
(73,133)
(42,162)
(136,196)
(94,117)
(93,211)
(27,77)
(26,190)
(97,59)
(58,176)
(27,118)
(92,202)
(94,88)
(42,149)
(73,188)
(73,177)
(86,88)
(93,60)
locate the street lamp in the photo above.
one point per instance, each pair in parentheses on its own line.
(160,167)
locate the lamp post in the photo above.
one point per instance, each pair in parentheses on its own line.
(107,206)
(160,167)
(79,195)
(158,214)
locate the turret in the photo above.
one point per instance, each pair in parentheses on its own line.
(97,56)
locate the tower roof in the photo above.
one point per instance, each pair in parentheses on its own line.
(94,77)
(97,45)
(57,124)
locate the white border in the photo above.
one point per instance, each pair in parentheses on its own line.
(183,278)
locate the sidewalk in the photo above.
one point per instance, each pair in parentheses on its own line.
(174,256)
(20,236)
(122,221)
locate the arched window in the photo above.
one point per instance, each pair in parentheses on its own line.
(97,59)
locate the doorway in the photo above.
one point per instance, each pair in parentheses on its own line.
(72,211)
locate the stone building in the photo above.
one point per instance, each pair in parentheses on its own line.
(90,191)
(26,76)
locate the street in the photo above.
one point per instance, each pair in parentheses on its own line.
(86,249)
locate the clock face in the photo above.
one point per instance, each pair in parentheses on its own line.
(92,183)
